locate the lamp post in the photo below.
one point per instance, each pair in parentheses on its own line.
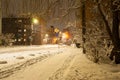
(34,21)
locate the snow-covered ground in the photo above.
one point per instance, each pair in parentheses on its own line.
(53,62)
(20,54)
(13,58)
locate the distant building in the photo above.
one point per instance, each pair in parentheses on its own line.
(21,28)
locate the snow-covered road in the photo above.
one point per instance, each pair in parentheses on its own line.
(14,58)
(60,63)
(20,54)
(58,57)
(43,70)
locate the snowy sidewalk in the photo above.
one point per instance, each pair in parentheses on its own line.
(84,69)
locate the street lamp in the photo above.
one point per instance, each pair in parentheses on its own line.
(35,21)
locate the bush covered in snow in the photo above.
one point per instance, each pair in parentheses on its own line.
(6,39)
(98,45)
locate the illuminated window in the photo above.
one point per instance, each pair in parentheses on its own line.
(19,30)
(24,40)
(19,39)
(19,20)
(24,34)
(24,30)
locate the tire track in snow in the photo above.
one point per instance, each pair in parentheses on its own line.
(7,71)
(61,73)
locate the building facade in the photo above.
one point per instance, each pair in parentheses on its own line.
(20,27)
(25,33)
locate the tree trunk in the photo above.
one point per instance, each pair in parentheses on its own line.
(83,24)
(115,38)
(115,30)
(0,19)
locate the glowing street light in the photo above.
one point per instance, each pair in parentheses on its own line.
(65,35)
(56,30)
(35,21)
(46,35)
